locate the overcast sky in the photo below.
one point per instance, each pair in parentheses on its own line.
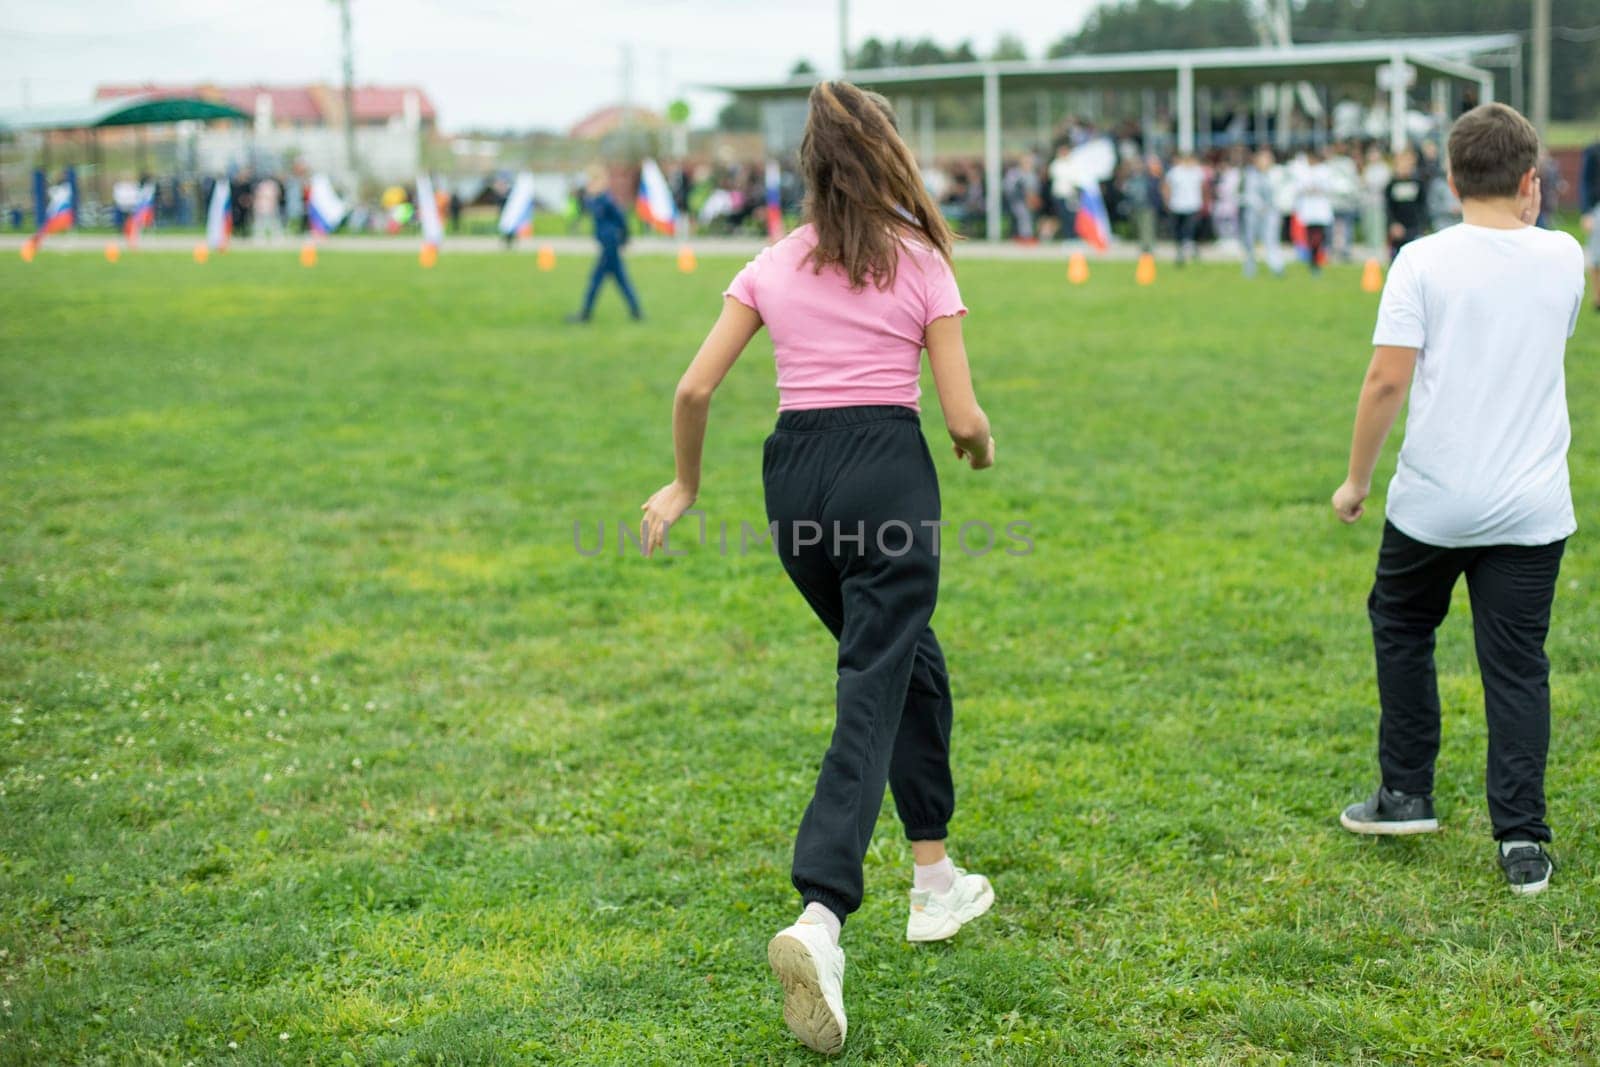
(486,63)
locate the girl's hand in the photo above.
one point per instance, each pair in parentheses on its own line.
(665,507)
(979,462)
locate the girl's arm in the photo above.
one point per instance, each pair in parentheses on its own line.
(968,425)
(690,406)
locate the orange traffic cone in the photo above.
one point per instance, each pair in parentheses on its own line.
(547,258)
(308,254)
(1145,272)
(1372,277)
(29,247)
(1077,269)
(686,262)
(201,253)
(428,256)
(113,251)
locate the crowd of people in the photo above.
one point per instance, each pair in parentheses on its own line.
(1329,202)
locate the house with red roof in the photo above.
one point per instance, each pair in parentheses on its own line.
(302,107)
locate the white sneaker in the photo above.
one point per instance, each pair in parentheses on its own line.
(811,968)
(939,916)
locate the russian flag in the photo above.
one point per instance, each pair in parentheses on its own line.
(59,213)
(654,202)
(428,213)
(142,215)
(774,201)
(1093,223)
(516,215)
(324,209)
(219,216)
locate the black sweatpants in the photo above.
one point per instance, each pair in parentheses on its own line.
(1512,587)
(854,497)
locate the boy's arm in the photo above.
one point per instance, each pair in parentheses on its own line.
(1382,394)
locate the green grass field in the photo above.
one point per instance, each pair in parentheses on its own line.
(323,744)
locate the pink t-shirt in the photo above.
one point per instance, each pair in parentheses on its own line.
(836,348)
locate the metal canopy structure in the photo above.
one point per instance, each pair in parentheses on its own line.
(1182,72)
(123,111)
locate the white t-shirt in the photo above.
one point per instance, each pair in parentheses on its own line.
(1185,189)
(1314,203)
(1484,460)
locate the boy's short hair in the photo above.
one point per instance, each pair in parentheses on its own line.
(1491,147)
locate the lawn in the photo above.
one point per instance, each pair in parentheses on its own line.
(322,743)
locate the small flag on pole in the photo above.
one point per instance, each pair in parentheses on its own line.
(324,210)
(654,202)
(219,217)
(428,216)
(1093,224)
(774,201)
(516,216)
(58,214)
(142,215)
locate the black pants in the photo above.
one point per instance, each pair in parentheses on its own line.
(854,497)
(1512,587)
(1186,231)
(609,264)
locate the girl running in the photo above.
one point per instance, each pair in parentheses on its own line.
(851,298)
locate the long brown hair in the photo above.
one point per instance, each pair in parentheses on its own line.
(863,192)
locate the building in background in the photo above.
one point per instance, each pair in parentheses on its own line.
(304,124)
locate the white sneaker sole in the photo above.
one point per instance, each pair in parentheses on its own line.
(1531,888)
(956,921)
(1389,829)
(805,1009)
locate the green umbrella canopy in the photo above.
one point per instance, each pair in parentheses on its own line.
(121,111)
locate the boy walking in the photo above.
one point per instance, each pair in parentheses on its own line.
(1475,319)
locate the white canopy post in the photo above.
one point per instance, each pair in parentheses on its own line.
(925,111)
(991,151)
(1185,107)
(1397,102)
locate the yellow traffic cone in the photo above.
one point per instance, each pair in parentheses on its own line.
(547,258)
(201,253)
(1145,272)
(686,262)
(1372,277)
(113,251)
(29,247)
(1077,269)
(308,254)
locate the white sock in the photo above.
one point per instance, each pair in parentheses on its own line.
(935,877)
(1507,846)
(823,916)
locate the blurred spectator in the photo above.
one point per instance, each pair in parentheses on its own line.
(1185,193)
(268,224)
(1021,188)
(1406,203)
(1263,223)
(1375,178)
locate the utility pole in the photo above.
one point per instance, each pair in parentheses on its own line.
(349,89)
(627,100)
(1541,66)
(844,37)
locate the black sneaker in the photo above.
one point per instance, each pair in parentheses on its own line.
(1389,812)
(578,318)
(1527,867)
